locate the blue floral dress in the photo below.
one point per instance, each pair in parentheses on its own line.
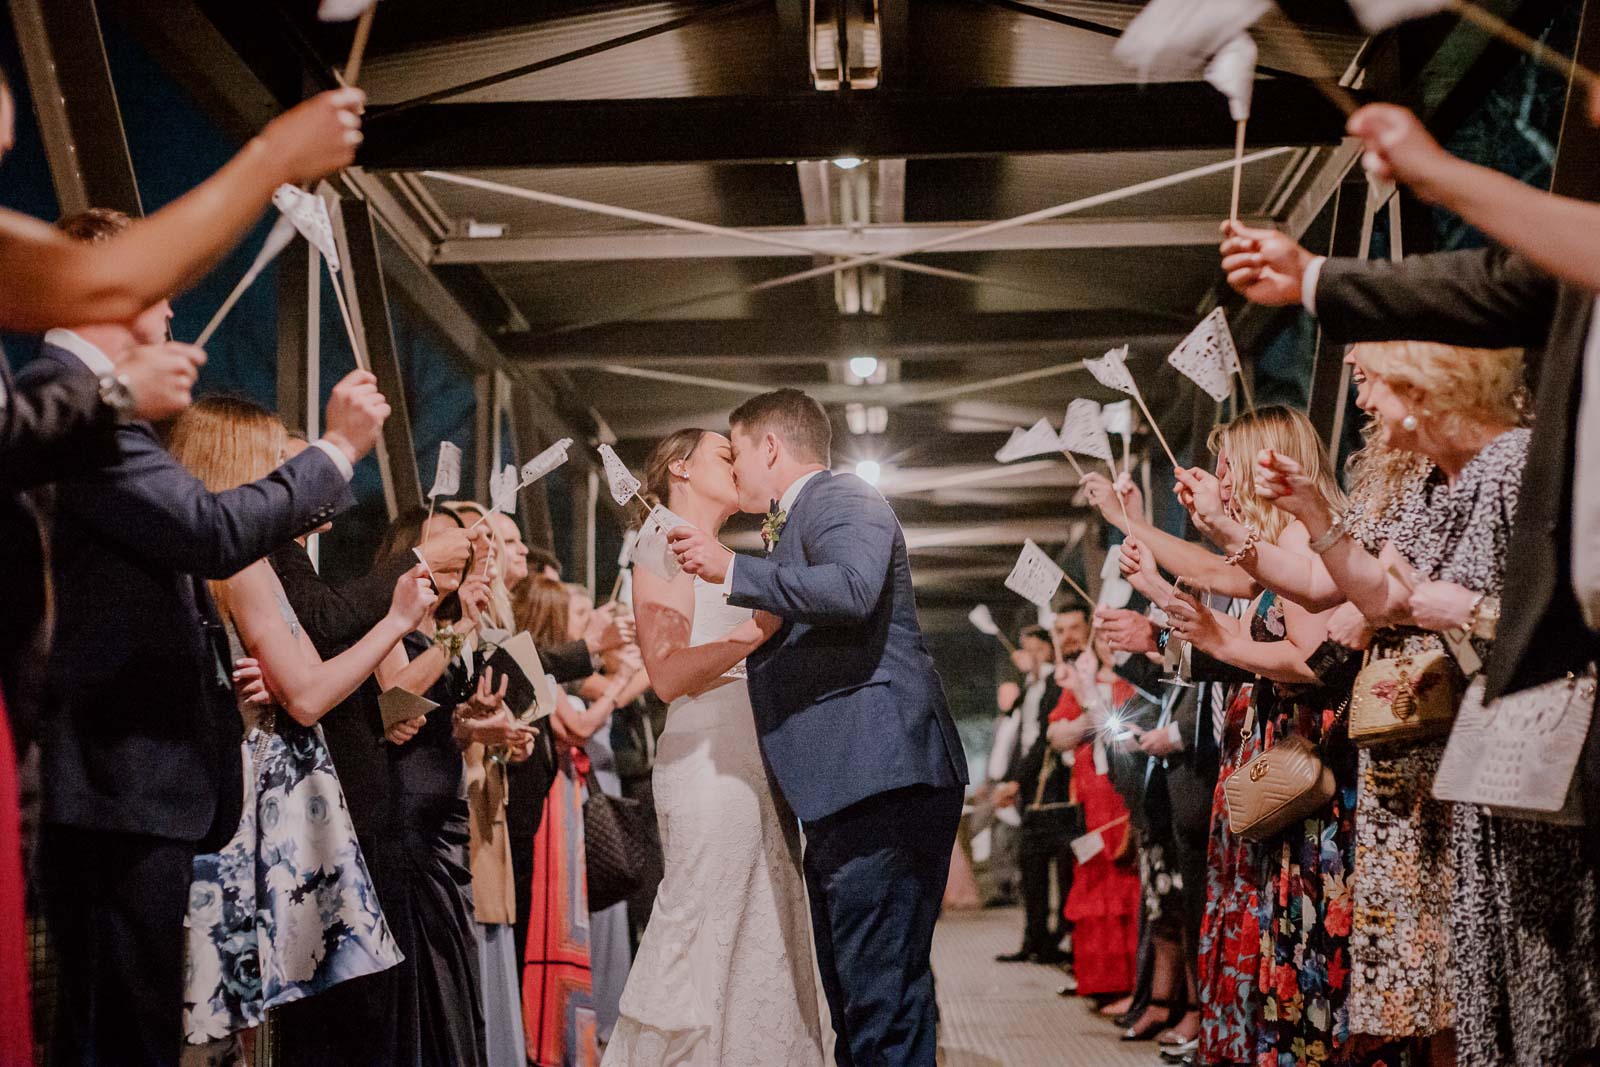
(286,909)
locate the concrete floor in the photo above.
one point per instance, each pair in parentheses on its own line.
(1007,1014)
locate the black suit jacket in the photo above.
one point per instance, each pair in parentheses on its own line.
(1027,766)
(1491,298)
(54,427)
(139,728)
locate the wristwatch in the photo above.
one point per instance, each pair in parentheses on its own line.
(116,394)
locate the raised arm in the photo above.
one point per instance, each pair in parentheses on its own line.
(849,548)
(665,611)
(53,280)
(305,685)
(1173,554)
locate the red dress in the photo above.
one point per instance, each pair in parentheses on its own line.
(1103,905)
(16,1045)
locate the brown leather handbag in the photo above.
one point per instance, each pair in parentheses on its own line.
(1277,788)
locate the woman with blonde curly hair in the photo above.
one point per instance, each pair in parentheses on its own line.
(1467,922)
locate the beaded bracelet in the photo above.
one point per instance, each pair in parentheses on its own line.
(1252,537)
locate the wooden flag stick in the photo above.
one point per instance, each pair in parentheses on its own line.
(1154,428)
(356,349)
(1244,384)
(1076,588)
(358,47)
(1498,27)
(222,312)
(616,586)
(1238,169)
(1120,502)
(1074,461)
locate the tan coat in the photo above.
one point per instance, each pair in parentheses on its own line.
(494,889)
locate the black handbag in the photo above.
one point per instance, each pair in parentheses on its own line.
(617,847)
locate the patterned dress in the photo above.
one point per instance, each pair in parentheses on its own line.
(1230,935)
(1305,909)
(1525,969)
(286,909)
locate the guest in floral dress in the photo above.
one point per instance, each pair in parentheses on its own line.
(286,908)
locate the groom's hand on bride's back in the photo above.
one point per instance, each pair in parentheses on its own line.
(700,554)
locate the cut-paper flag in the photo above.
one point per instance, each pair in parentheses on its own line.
(1376,16)
(447,474)
(1084,432)
(1035,577)
(1038,440)
(546,461)
(503,490)
(1111,371)
(651,550)
(623,484)
(983,620)
(343,10)
(1208,356)
(1118,419)
(1232,72)
(309,213)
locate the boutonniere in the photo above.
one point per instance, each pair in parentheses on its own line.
(772,526)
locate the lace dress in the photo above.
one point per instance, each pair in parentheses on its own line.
(724,973)
(286,909)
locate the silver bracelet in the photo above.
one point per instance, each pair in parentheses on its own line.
(1332,536)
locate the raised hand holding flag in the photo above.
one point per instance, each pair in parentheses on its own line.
(1232,72)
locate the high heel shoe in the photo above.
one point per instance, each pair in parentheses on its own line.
(1142,1030)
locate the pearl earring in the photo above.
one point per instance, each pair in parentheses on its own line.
(1409,423)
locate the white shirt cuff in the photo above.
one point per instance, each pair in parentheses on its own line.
(1175,735)
(335,453)
(1308,283)
(727,579)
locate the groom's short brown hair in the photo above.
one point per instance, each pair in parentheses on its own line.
(791,416)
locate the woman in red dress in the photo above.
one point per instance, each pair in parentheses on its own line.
(1103,905)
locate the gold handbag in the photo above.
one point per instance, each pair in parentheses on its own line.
(1405,697)
(1278,788)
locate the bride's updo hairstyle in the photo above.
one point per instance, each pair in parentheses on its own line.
(658,477)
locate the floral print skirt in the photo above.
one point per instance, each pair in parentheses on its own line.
(286,909)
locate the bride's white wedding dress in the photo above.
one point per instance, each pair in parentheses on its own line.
(724,974)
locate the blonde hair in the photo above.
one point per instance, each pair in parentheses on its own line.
(1282,430)
(1455,385)
(227,442)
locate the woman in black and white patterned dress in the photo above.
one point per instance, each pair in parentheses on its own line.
(1482,922)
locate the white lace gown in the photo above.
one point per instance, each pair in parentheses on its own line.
(725,972)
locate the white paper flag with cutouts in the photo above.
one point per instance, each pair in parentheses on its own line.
(546,461)
(1040,439)
(623,485)
(625,557)
(651,550)
(1171,40)
(1118,419)
(309,213)
(1084,432)
(1378,15)
(342,10)
(983,620)
(1111,371)
(447,473)
(1035,577)
(1208,357)
(1232,72)
(503,490)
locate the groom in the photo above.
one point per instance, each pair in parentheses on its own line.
(852,719)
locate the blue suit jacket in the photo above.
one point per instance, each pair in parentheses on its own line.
(847,701)
(139,729)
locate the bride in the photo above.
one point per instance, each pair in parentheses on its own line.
(724,973)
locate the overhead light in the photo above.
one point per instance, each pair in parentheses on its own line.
(866,419)
(480,230)
(848,162)
(863,367)
(869,471)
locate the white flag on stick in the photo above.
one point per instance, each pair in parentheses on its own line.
(503,490)
(983,620)
(1118,419)
(651,550)
(1232,72)
(1084,432)
(546,461)
(343,10)
(447,473)
(1171,40)
(1208,356)
(624,486)
(1035,577)
(1038,440)
(309,213)
(625,556)
(278,239)
(1111,371)
(1378,15)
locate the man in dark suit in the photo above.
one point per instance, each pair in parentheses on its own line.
(852,721)
(1481,298)
(140,732)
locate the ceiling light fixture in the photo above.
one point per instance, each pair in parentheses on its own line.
(848,162)
(863,367)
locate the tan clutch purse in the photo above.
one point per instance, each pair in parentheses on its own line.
(1405,697)
(1278,788)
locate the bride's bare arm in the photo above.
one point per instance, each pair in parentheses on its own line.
(665,613)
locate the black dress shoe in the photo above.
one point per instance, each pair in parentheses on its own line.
(1022,955)
(1052,957)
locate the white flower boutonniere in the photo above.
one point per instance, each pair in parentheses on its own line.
(772,526)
